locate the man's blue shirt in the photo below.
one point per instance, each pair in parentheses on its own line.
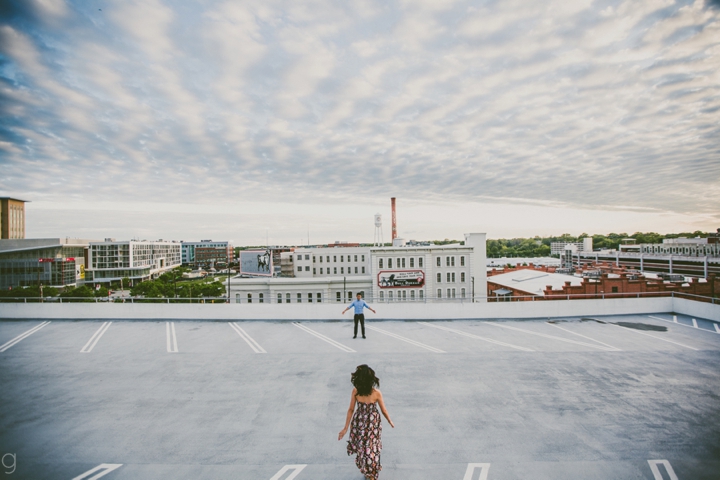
(359,306)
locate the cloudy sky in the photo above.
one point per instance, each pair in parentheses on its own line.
(250,120)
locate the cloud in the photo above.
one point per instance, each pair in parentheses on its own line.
(573,104)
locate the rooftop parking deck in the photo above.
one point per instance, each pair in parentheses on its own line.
(613,397)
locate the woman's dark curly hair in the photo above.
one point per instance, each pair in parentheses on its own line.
(364,380)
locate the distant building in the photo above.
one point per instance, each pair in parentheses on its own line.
(207,257)
(558,248)
(55,262)
(189,250)
(12,218)
(109,261)
(338,272)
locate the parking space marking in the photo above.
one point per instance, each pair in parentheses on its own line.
(296,470)
(675,318)
(172,346)
(324,338)
(99,471)
(22,336)
(614,349)
(653,336)
(717,329)
(694,325)
(404,339)
(470,335)
(96,336)
(248,339)
(484,469)
(656,470)
(552,337)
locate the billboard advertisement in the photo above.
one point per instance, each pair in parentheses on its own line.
(256,262)
(401,278)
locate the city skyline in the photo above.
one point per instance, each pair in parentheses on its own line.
(266,121)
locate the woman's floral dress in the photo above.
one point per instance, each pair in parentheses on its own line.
(365,442)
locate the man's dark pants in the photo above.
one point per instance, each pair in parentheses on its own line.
(361,318)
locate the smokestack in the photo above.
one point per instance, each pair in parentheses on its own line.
(394,219)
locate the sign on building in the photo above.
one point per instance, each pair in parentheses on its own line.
(256,262)
(401,278)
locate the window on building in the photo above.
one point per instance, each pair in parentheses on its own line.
(287,298)
(342,258)
(448,293)
(356,269)
(342,270)
(321,258)
(335,258)
(334,270)
(350,296)
(404,295)
(307,268)
(299,298)
(398,265)
(447,261)
(338,297)
(237,298)
(390,296)
(439,277)
(314,271)
(439,260)
(261,298)
(453,293)
(382,295)
(412,295)
(462,261)
(309,297)
(447,276)
(356,258)
(389,262)
(462,276)
(299,269)
(421,294)
(439,293)
(307,257)
(453,277)
(403,262)
(290,258)
(363,269)
(420,262)
(279,297)
(614,289)
(328,258)
(412,262)
(321,270)
(318,297)
(362,258)
(462,293)
(380,263)
(313,258)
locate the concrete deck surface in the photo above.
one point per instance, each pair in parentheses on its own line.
(565,399)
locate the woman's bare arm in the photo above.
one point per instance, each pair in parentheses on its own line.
(383,409)
(350,411)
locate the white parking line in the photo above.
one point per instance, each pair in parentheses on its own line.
(717,329)
(656,470)
(484,469)
(100,471)
(172,346)
(653,336)
(325,339)
(549,336)
(404,339)
(460,332)
(22,336)
(296,469)
(694,325)
(248,339)
(96,336)
(614,349)
(675,318)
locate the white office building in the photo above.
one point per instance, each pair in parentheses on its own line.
(452,272)
(109,261)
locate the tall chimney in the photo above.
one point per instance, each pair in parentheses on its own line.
(394,219)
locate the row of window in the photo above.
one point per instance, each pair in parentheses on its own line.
(449,277)
(401,263)
(359,270)
(350,258)
(402,295)
(298,297)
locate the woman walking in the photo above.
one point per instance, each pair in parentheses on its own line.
(365,430)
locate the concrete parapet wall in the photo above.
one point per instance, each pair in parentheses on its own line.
(386,311)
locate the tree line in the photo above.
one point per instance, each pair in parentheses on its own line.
(540,246)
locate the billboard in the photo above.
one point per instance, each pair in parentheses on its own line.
(256,262)
(401,278)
